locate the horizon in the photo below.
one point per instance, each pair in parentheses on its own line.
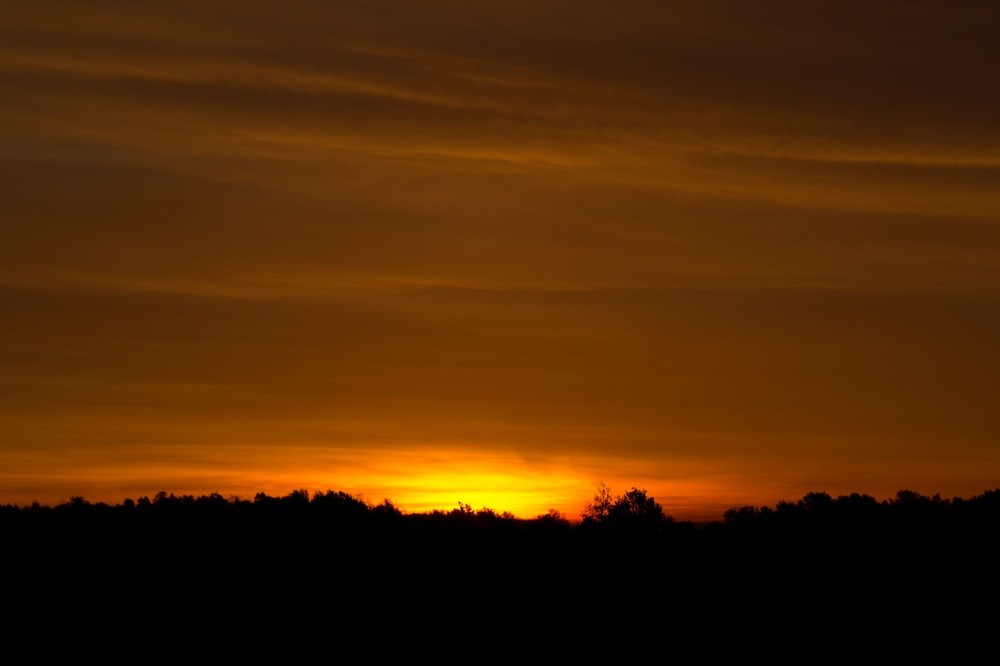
(460,506)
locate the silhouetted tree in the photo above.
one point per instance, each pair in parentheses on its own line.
(633,509)
(386,509)
(741,516)
(598,508)
(636,508)
(816,502)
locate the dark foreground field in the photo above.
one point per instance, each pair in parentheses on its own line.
(834,567)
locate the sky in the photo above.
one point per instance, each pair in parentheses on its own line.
(497,253)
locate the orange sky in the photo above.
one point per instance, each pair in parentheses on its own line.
(494,253)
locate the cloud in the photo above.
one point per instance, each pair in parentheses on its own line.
(691,231)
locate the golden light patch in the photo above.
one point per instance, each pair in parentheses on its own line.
(419,482)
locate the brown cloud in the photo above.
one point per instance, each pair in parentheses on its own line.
(757,243)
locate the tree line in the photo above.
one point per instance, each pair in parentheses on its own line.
(634,510)
(624,548)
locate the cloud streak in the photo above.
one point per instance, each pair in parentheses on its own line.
(758,244)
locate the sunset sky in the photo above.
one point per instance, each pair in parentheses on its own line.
(497,252)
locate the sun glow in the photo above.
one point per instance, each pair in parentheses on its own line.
(444,480)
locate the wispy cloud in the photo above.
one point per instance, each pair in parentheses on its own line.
(742,241)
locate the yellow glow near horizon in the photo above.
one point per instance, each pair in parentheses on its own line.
(413,481)
(524,496)
(442,480)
